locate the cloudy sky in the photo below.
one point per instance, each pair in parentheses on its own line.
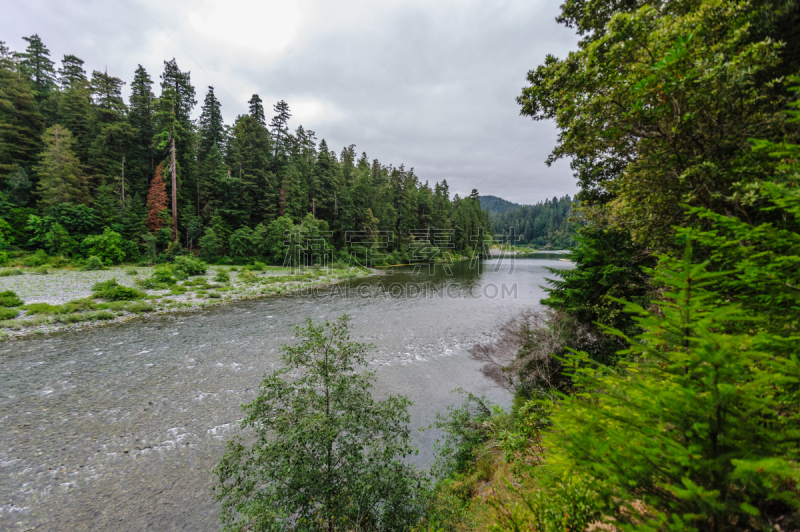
(427,83)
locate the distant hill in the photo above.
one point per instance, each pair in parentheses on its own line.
(497,205)
(545,225)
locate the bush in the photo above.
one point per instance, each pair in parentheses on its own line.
(41,270)
(222,276)
(94,263)
(109,246)
(37,259)
(111,291)
(161,279)
(247,277)
(8,272)
(209,245)
(256,266)
(131,271)
(9,299)
(8,313)
(3,257)
(190,265)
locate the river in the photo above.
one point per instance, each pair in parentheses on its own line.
(119,428)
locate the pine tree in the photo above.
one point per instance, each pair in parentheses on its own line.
(36,64)
(71,71)
(212,127)
(157,201)
(61,175)
(74,112)
(257,110)
(141,161)
(279,126)
(107,95)
(249,160)
(22,123)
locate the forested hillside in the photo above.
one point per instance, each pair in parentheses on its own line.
(543,225)
(497,205)
(78,160)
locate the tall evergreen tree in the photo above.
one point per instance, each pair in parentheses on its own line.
(280,127)
(61,175)
(157,201)
(71,71)
(36,64)
(22,123)
(141,164)
(212,128)
(249,160)
(257,110)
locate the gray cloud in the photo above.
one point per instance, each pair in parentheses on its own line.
(430,84)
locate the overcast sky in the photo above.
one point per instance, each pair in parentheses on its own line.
(428,83)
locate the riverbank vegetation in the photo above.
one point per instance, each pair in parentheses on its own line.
(84,174)
(660,387)
(79,298)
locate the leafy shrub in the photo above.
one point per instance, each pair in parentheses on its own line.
(8,313)
(161,279)
(3,257)
(9,299)
(190,265)
(241,242)
(109,246)
(111,291)
(37,259)
(247,277)
(209,245)
(214,295)
(222,276)
(256,266)
(131,271)
(41,270)
(94,263)
(8,272)
(571,505)
(177,290)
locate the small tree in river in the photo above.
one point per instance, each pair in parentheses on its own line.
(327,456)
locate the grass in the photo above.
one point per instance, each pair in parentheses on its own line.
(8,272)
(44,309)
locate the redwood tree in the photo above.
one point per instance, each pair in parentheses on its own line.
(156,200)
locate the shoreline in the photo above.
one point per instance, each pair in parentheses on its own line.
(165,302)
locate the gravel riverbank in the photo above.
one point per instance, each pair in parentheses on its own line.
(62,286)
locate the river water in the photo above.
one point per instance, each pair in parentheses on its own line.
(119,428)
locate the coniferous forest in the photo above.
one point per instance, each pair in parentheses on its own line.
(546,224)
(78,161)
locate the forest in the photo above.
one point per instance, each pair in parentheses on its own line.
(658,388)
(83,172)
(547,224)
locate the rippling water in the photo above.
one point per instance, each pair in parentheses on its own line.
(119,428)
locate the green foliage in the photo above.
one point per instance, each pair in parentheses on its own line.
(210,245)
(161,278)
(545,225)
(9,298)
(37,259)
(326,454)
(222,276)
(711,407)
(94,263)
(241,243)
(570,505)
(112,291)
(464,430)
(189,265)
(8,313)
(43,308)
(109,246)
(8,272)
